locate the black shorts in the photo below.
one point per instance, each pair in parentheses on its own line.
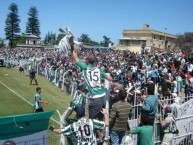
(39,110)
(95,106)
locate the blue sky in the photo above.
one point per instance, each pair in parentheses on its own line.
(104,17)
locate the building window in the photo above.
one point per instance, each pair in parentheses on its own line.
(153,36)
(160,38)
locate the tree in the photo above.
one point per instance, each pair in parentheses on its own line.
(85,38)
(12,24)
(180,41)
(21,39)
(50,38)
(94,42)
(33,25)
(105,42)
(185,41)
(2,43)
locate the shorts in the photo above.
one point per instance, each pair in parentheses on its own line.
(167,140)
(39,110)
(95,106)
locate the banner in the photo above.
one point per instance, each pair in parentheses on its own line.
(186,109)
(25,129)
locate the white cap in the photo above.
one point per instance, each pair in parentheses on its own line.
(174,94)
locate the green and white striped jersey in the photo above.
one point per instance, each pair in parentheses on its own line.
(37,98)
(78,100)
(84,130)
(93,76)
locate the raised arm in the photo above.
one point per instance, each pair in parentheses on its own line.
(74,54)
(146,106)
(106,76)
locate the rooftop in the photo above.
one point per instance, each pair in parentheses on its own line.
(146,30)
(29,46)
(31,36)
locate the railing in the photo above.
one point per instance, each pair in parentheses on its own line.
(183,138)
(186,139)
(47,71)
(55,76)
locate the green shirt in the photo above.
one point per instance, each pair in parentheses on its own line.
(78,100)
(92,76)
(145,134)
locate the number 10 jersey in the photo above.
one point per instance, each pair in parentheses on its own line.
(84,130)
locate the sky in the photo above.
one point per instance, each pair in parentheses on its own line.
(97,18)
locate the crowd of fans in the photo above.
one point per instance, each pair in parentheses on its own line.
(146,78)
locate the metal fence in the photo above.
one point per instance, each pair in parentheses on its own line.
(184,121)
(186,139)
(54,75)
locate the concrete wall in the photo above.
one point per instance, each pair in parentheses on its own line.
(31,41)
(136,49)
(151,40)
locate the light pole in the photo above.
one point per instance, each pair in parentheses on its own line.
(165,39)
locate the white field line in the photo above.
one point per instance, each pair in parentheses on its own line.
(23,98)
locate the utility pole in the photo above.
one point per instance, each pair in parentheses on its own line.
(165,39)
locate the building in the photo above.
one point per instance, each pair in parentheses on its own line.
(32,41)
(146,39)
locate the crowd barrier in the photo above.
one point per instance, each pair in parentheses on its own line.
(184,120)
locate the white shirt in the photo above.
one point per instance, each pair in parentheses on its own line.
(175,87)
(190,67)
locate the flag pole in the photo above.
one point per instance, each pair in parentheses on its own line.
(107,88)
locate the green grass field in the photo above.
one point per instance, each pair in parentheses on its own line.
(12,104)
